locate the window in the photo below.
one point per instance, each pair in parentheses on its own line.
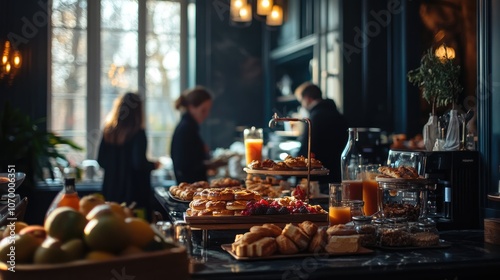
(101,49)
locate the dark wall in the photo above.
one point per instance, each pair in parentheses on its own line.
(229,62)
(378,37)
(26,26)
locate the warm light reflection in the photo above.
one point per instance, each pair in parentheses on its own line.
(444,52)
(276,16)
(240,11)
(11,61)
(264,7)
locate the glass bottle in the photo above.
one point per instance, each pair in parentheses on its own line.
(452,142)
(350,164)
(68,196)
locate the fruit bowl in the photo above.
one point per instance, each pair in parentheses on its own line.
(10,179)
(169,263)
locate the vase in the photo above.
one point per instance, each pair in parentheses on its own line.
(430,132)
(452,142)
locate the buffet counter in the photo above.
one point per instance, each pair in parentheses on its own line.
(465,256)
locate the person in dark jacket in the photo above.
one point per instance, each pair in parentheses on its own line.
(328,130)
(190,155)
(122,155)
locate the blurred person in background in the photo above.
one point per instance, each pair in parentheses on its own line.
(328,131)
(190,155)
(122,155)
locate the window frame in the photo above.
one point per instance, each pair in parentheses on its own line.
(93,89)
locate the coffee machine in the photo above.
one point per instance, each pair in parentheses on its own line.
(454,201)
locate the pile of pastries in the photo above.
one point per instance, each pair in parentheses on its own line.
(306,237)
(289,163)
(401,172)
(268,186)
(221,201)
(185,191)
(243,202)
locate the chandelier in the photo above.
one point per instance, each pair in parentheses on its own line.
(241,12)
(10,63)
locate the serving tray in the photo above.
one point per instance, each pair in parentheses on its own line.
(177,199)
(246,222)
(441,245)
(298,172)
(227,248)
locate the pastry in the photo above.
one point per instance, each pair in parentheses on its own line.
(268,163)
(198,204)
(295,162)
(342,244)
(263,247)
(276,229)
(298,236)
(205,212)
(215,205)
(263,231)
(280,166)
(318,242)
(309,228)
(244,195)
(236,205)
(340,229)
(315,163)
(255,164)
(223,212)
(286,245)
(251,237)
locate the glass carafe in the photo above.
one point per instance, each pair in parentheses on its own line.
(350,164)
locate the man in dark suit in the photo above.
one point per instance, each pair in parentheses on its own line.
(328,131)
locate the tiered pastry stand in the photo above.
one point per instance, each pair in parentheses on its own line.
(206,223)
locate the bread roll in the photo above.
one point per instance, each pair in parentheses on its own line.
(318,242)
(341,229)
(264,232)
(251,237)
(309,228)
(263,247)
(286,245)
(274,228)
(297,235)
(342,244)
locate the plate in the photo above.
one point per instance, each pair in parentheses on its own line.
(177,199)
(442,244)
(320,171)
(15,179)
(227,248)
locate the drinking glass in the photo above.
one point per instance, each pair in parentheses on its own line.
(254,140)
(183,236)
(370,188)
(355,188)
(339,211)
(166,229)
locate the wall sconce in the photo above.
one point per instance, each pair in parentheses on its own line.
(241,12)
(10,63)
(444,52)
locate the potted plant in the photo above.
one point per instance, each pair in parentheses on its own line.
(438,78)
(27,146)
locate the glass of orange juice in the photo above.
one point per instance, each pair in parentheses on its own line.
(339,211)
(370,188)
(253,138)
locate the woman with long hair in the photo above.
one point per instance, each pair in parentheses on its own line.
(122,155)
(190,155)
